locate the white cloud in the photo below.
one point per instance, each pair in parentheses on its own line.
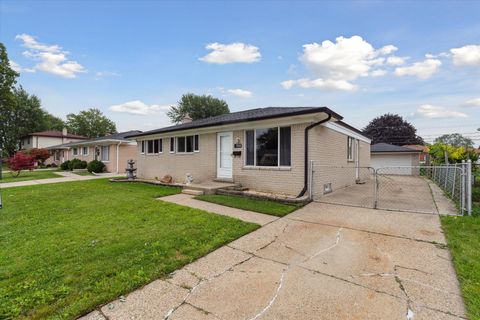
(346,59)
(16,67)
(473,102)
(231,53)
(436,112)
(422,70)
(104,74)
(138,107)
(466,55)
(240,93)
(322,84)
(378,73)
(51,58)
(395,61)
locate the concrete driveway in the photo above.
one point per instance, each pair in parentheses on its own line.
(323,261)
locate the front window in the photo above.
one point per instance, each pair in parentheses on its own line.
(105,153)
(85,151)
(75,151)
(143,147)
(154,146)
(172,144)
(188,144)
(269,147)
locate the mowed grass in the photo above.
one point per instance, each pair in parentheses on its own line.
(67,248)
(29,175)
(273,208)
(463,237)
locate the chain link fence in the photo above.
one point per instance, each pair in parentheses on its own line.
(403,188)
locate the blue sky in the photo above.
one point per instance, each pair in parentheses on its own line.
(132,59)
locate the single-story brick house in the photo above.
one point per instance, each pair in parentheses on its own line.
(265,149)
(114,150)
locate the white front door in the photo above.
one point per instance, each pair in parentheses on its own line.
(224,155)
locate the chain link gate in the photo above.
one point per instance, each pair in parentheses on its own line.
(403,188)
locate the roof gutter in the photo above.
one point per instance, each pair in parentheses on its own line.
(307,129)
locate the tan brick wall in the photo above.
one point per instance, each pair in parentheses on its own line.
(329,153)
(282,181)
(202,165)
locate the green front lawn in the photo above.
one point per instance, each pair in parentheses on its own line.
(67,248)
(29,175)
(84,173)
(463,237)
(273,208)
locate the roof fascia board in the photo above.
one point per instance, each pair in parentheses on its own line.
(341,129)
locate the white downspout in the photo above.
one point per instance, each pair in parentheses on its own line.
(118,154)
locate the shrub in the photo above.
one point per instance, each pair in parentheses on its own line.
(65,165)
(79,164)
(40,155)
(476,194)
(96,166)
(20,161)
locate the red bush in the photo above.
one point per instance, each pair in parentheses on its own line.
(20,161)
(39,155)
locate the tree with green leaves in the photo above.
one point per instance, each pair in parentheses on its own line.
(392,129)
(456,140)
(446,153)
(8,79)
(197,107)
(90,123)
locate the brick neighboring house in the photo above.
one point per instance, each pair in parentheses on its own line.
(46,139)
(423,154)
(265,149)
(114,150)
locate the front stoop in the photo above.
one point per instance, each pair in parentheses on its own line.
(193,192)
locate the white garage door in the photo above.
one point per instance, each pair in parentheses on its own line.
(392,160)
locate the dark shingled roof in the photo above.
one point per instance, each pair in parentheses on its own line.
(116,136)
(385,147)
(55,134)
(242,116)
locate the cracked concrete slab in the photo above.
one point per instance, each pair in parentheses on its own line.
(424,227)
(321,262)
(150,302)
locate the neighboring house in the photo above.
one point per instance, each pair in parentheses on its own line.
(265,149)
(46,139)
(394,159)
(423,155)
(114,150)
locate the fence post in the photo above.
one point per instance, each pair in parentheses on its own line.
(446,176)
(310,180)
(469,187)
(454,182)
(462,188)
(375,188)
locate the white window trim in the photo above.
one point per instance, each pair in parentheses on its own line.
(174,145)
(75,151)
(142,146)
(101,154)
(154,153)
(193,144)
(255,166)
(353,154)
(88,151)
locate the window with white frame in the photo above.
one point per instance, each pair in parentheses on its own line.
(268,147)
(154,146)
(172,145)
(75,151)
(188,144)
(85,151)
(143,147)
(350,149)
(105,153)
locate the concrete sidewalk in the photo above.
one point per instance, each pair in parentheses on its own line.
(65,177)
(323,261)
(249,216)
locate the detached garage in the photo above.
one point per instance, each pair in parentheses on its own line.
(398,160)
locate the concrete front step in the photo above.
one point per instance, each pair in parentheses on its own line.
(193,192)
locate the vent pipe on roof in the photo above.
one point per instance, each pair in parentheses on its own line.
(186,119)
(307,129)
